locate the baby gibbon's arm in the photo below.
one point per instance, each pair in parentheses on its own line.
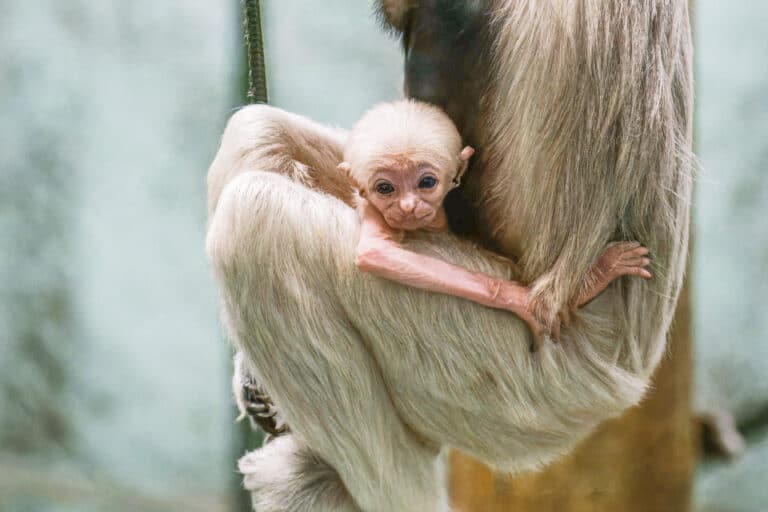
(379,253)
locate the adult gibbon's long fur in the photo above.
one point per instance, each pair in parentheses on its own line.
(585,136)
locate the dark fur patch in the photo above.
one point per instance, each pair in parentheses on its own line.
(460,212)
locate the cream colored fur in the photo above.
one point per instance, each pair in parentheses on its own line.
(408,128)
(588,141)
(283,465)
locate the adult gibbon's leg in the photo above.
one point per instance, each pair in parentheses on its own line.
(286,474)
(273,245)
(290,475)
(268,138)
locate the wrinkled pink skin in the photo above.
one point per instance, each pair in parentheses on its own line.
(385,218)
(409,207)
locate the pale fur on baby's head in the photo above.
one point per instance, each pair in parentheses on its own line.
(402,128)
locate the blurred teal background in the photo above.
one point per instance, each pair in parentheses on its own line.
(730,278)
(114,390)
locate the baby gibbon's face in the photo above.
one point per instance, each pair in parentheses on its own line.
(408,193)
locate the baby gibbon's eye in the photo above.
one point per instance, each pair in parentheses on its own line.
(384,188)
(427,182)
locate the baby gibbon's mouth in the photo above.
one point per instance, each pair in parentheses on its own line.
(411,223)
(425,216)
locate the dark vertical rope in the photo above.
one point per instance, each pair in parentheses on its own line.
(254,46)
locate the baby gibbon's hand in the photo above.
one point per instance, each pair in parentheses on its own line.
(621,259)
(515,298)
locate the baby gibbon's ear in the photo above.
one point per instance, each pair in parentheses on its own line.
(466,153)
(464,157)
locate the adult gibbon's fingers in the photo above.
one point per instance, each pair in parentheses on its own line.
(539,338)
(536,331)
(541,322)
(555,330)
(262,411)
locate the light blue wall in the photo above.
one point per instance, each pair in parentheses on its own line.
(113,392)
(731,205)
(730,278)
(113,371)
(329,60)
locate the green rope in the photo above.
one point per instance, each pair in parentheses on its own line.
(254,46)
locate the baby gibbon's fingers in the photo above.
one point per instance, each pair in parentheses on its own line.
(638,271)
(633,262)
(636,251)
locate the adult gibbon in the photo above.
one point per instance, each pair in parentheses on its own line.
(581,114)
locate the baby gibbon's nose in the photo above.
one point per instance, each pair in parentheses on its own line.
(407,204)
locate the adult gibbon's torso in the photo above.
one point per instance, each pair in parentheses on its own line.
(562,100)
